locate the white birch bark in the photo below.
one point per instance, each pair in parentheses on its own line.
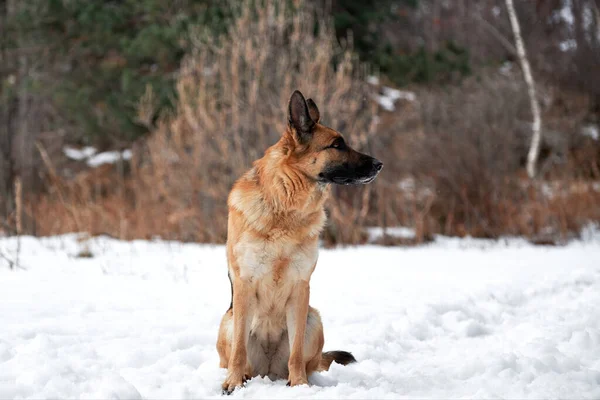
(536,136)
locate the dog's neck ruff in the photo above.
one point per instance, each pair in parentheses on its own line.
(276,198)
(285,187)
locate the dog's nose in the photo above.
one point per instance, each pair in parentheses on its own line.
(377,165)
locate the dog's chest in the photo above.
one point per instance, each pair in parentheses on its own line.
(275,261)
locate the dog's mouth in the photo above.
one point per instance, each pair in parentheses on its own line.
(344,180)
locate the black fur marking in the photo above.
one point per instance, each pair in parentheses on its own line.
(231,283)
(363,170)
(341,357)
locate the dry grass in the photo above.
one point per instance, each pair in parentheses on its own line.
(232,99)
(454,159)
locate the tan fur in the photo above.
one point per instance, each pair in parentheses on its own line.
(276,213)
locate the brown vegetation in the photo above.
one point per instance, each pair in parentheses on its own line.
(454,159)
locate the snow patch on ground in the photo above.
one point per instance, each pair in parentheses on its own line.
(506,68)
(79,154)
(375,233)
(567,45)
(94,159)
(591,131)
(390,96)
(565,13)
(109,157)
(456,318)
(373,80)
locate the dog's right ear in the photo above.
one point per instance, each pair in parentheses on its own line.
(299,117)
(313,110)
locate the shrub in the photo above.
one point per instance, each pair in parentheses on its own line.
(232,96)
(453,158)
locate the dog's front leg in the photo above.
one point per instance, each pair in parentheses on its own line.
(296,315)
(237,360)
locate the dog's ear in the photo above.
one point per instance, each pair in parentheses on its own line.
(299,117)
(313,110)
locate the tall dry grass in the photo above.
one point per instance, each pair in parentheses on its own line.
(233,95)
(454,159)
(232,101)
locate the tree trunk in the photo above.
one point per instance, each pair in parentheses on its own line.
(19,115)
(7,68)
(536,136)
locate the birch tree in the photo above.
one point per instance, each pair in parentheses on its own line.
(536,136)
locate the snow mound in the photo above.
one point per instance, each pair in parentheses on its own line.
(455,318)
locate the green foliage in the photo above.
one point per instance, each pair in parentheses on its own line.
(424,67)
(364,20)
(105,52)
(96,58)
(361,18)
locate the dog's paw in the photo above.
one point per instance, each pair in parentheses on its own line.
(233,382)
(297,381)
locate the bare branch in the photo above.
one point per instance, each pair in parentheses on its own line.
(496,33)
(10,262)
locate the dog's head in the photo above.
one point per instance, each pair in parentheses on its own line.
(321,152)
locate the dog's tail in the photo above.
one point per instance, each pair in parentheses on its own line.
(340,357)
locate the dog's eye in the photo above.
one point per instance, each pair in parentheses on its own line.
(338,144)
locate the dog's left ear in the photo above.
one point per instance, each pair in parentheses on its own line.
(299,117)
(313,110)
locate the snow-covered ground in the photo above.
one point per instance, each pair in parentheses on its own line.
(453,319)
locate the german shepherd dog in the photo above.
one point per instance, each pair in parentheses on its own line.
(275,217)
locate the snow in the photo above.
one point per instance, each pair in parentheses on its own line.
(385,102)
(567,45)
(390,96)
(373,80)
(396,94)
(591,131)
(410,188)
(109,157)
(506,68)
(407,184)
(94,159)
(375,233)
(565,13)
(588,17)
(79,154)
(456,318)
